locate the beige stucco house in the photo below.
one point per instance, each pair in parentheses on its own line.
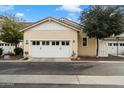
(57,38)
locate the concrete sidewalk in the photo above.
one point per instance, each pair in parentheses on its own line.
(62,79)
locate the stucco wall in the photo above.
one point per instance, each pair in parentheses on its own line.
(89,50)
(51,31)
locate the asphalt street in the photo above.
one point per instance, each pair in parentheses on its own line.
(57,86)
(62,68)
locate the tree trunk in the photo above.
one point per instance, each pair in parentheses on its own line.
(97,49)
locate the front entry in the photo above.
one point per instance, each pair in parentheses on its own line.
(50,49)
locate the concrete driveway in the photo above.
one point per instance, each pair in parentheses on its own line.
(50,59)
(62,68)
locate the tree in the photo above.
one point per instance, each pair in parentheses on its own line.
(9,32)
(102,21)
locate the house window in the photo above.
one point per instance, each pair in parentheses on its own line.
(57,42)
(84,41)
(1,44)
(33,42)
(38,42)
(43,42)
(12,44)
(63,43)
(109,44)
(121,44)
(53,42)
(115,44)
(47,42)
(6,44)
(67,43)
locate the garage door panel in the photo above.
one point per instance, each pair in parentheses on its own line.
(51,49)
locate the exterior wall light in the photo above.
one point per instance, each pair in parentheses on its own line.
(26,53)
(73,41)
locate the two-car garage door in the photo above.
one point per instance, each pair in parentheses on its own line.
(50,48)
(110,47)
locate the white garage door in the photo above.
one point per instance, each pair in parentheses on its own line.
(111,47)
(50,49)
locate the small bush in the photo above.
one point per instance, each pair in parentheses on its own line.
(1,51)
(18,51)
(26,58)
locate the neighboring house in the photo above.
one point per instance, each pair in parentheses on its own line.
(57,38)
(112,45)
(8,48)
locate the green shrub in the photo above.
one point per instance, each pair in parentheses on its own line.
(18,51)
(1,51)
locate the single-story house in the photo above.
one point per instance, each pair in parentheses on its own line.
(63,38)
(57,38)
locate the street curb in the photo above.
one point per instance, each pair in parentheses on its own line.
(21,61)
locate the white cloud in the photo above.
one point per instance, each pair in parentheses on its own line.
(19,15)
(73,17)
(5,8)
(72,11)
(69,8)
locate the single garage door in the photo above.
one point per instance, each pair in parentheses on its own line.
(50,49)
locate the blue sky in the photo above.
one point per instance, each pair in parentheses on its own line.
(33,13)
